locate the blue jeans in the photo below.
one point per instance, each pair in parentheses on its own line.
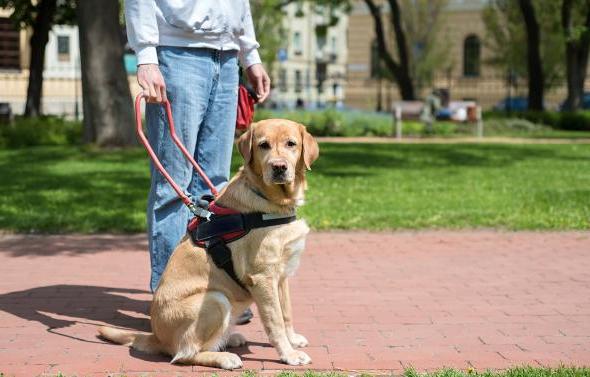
(202,87)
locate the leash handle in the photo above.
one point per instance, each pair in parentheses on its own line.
(139,129)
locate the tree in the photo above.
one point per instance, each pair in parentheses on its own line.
(506,35)
(534,65)
(108,111)
(423,20)
(400,68)
(268,24)
(414,28)
(577,45)
(40,16)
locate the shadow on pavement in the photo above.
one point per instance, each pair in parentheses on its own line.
(49,245)
(82,304)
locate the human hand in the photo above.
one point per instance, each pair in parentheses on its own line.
(151,81)
(259,80)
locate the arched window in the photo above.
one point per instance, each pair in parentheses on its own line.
(471,56)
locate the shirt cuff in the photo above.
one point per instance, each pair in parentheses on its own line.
(249,58)
(147,55)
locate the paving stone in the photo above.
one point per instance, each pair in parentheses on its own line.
(366,302)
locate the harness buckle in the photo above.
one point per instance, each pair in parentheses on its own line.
(199,211)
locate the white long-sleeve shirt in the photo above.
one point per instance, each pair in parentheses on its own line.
(216,24)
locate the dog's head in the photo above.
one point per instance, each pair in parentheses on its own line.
(278,150)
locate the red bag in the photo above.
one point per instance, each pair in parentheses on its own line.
(246,103)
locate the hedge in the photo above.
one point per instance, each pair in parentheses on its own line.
(44,130)
(570,121)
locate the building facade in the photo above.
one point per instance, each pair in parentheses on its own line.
(62,88)
(466,76)
(61,84)
(311,65)
(309,72)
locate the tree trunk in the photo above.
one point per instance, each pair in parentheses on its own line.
(576,55)
(535,68)
(38,41)
(106,98)
(405,81)
(400,71)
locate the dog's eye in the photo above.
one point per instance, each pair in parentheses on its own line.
(291,143)
(264,145)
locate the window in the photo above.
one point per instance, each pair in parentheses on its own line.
(63,48)
(282,80)
(9,45)
(471,56)
(297,43)
(298,83)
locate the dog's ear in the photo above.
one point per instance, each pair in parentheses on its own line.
(310,148)
(245,144)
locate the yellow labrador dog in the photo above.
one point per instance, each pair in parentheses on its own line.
(194,307)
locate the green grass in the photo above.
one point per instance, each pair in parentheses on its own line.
(352,186)
(524,371)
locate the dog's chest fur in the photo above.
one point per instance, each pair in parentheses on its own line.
(294,244)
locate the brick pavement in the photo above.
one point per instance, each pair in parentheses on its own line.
(365,301)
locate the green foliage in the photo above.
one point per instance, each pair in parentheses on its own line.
(427,46)
(45,130)
(352,186)
(520,371)
(25,11)
(331,122)
(506,36)
(268,17)
(571,121)
(357,123)
(578,30)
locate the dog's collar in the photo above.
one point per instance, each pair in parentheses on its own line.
(258,193)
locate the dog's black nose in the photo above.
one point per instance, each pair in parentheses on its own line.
(279,167)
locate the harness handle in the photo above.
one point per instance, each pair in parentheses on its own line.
(139,129)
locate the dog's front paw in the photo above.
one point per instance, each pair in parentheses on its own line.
(230,361)
(298,341)
(296,358)
(236,340)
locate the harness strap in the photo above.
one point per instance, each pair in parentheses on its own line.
(221,256)
(211,233)
(242,222)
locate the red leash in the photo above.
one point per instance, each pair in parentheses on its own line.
(179,191)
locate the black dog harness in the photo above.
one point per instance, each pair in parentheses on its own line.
(225,225)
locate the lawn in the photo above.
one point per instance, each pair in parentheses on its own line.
(352,186)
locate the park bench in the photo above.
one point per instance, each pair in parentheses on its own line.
(460,111)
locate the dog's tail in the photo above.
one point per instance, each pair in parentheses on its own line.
(139,341)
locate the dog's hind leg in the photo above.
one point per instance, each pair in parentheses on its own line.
(207,334)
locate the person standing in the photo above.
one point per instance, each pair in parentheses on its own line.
(187,53)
